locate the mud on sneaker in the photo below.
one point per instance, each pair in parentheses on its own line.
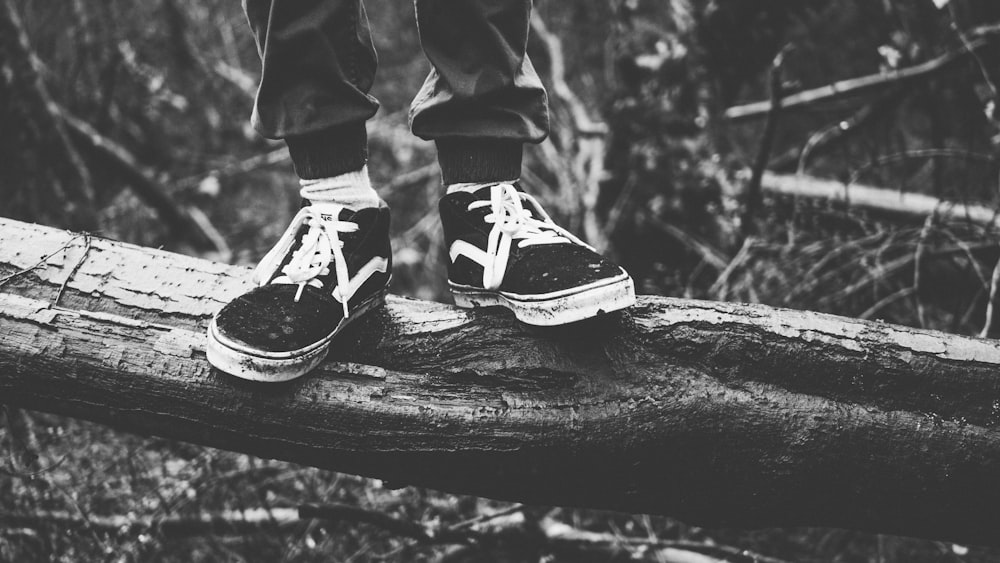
(505,250)
(329,267)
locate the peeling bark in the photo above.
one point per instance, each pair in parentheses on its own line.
(717,413)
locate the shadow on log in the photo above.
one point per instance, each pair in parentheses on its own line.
(717,413)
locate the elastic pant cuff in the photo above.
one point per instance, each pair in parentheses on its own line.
(331,152)
(465,159)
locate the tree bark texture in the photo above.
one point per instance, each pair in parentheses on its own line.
(717,413)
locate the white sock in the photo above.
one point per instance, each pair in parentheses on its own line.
(353,190)
(474,186)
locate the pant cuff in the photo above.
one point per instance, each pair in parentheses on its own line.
(465,159)
(331,152)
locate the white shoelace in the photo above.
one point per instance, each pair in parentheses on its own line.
(512,222)
(320,245)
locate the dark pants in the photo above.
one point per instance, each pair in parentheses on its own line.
(481,102)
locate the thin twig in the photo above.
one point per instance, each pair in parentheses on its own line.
(721,288)
(811,278)
(414,177)
(277,156)
(918,154)
(710,255)
(23,445)
(968,254)
(960,322)
(918,256)
(991,303)
(22,442)
(885,302)
(889,268)
(487,517)
(85,518)
(843,129)
(835,275)
(76,267)
(400,527)
(625,197)
(242,80)
(5,280)
(975,56)
(36,473)
(753,194)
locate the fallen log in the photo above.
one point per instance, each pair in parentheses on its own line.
(717,413)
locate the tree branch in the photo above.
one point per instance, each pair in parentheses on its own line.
(753,193)
(913,204)
(588,162)
(860,85)
(35,120)
(179,220)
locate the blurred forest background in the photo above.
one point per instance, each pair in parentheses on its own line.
(130,120)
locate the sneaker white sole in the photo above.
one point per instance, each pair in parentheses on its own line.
(256,365)
(556,308)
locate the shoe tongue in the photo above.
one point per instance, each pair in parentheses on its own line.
(330,211)
(486,192)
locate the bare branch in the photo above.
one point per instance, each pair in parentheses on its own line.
(30,67)
(991,303)
(710,255)
(177,218)
(588,162)
(753,195)
(882,199)
(856,86)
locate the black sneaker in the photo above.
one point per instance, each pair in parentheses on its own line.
(283,328)
(505,250)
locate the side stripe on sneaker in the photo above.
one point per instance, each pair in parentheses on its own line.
(376,264)
(470,251)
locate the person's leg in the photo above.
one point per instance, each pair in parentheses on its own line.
(317,66)
(483,100)
(480,104)
(333,262)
